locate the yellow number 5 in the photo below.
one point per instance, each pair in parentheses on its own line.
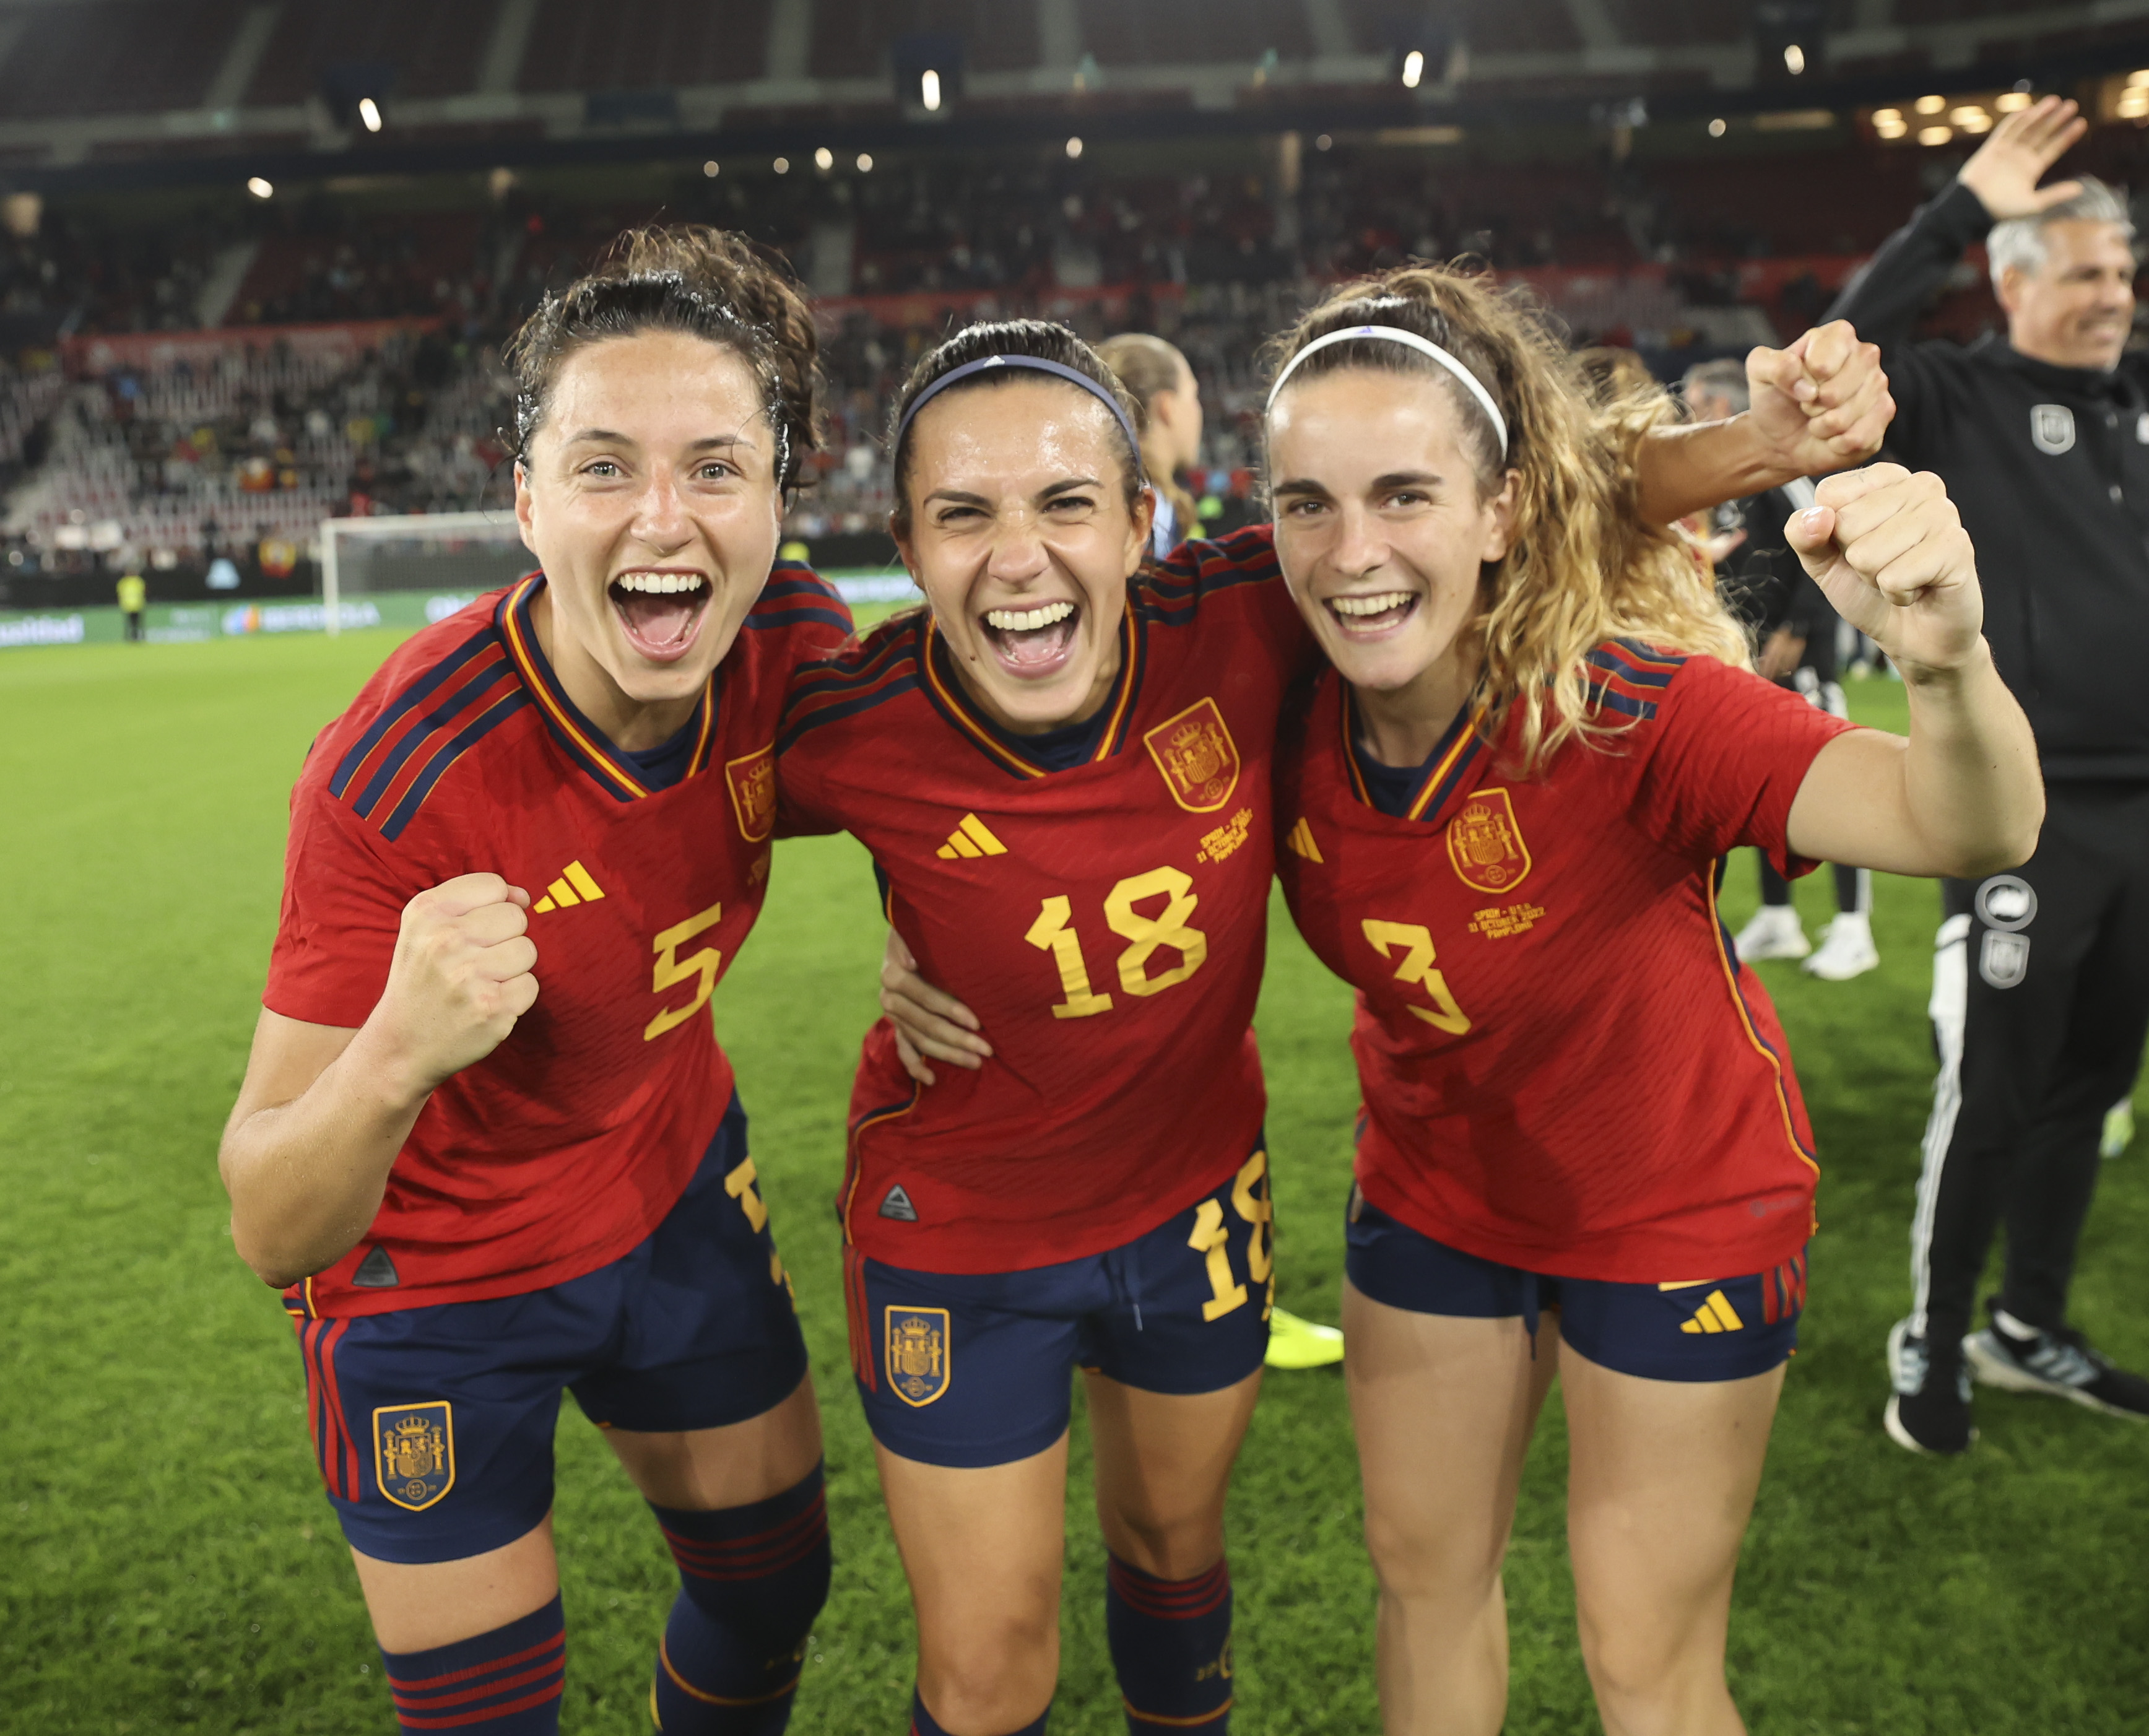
(671,970)
(1417,942)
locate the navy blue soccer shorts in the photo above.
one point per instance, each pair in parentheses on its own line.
(975,1369)
(1710,1328)
(433,1426)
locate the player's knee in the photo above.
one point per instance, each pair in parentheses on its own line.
(1640,1665)
(1169,1544)
(1000,1684)
(1416,1559)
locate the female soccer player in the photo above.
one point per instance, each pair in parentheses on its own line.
(1062,771)
(1057,753)
(1502,809)
(478,1194)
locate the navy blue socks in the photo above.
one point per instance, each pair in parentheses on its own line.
(505,1683)
(751,1581)
(1171,1646)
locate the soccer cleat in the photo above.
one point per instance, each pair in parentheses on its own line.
(2021,1358)
(1929,1411)
(1845,951)
(1295,1343)
(1772,932)
(2118,1129)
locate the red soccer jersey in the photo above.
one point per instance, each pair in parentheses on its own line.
(1564,1066)
(567,1144)
(1106,922)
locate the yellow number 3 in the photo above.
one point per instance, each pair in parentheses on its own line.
(1417,941)
(671,970)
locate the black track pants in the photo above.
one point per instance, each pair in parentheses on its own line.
(2040,1005)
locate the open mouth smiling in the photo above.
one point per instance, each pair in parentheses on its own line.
(1034,642)
(660,610)
(1375,613)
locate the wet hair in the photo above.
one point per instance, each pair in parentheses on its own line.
(686,277)
(1583,565)
(1042,339)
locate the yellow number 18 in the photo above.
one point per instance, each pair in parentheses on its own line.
(1054,932)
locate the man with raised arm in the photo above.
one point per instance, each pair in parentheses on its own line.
(2040,981)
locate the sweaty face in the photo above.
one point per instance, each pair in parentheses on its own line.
(1021,539)
(1380,527)
(649,495)
(2076,309)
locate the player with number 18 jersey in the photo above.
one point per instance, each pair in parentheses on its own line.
(1098,896)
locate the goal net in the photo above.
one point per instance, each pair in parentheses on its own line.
(411,568)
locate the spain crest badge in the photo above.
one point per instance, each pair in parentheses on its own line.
(917,1360)
(1197,756)
(414,1452)
(752,780)
(1486,845)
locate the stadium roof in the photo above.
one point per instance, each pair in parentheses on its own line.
(118,91)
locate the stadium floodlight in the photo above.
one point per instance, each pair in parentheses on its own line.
(449,558)
(1931,105)
(1413,69)
(2009,101)
(259,188)
(1795,59)
(1934,135)
(1718,128)
(1073,147)
(368,113)
(865,163)
(712,168)
(928,88)
(824,159)
(782,165)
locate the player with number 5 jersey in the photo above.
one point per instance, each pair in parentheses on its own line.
(487,1138)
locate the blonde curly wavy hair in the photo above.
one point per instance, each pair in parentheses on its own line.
(1583,566)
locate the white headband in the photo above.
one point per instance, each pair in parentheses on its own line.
(1410,339)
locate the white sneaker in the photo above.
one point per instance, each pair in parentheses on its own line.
(1845,951)
(1772,932)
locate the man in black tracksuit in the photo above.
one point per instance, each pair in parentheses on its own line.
(2040,983)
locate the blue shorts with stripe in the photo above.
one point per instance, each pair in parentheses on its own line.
(975,1369)
(433,1426)
(1706,1329)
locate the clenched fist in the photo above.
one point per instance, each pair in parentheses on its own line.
(1888,549)
(461,978)
(1823,402)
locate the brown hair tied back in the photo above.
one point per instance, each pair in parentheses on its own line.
(1583,568)
(1041,339)
(685,278)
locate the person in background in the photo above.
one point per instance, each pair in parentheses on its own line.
(134,597)
(1158,377)
(1159,380)
(2040,978)
(1766,585)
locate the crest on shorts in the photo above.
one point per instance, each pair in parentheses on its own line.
(918,1363)
(1486,845)
(414,1452)
(1197,756)
(752,781)
(2052,428)
(2008,903)
(2004,960)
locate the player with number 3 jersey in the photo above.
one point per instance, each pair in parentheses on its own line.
(1501,811)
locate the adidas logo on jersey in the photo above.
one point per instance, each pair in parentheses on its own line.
(973,837)
(1715,1315)
(574,887)
(1301,842)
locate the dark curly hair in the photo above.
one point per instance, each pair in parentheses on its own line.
(685,278)
(1042,339)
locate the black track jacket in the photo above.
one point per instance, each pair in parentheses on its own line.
(2049,469)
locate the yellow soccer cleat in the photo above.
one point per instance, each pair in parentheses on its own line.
(1295,1343)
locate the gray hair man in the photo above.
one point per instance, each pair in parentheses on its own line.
(2040,989)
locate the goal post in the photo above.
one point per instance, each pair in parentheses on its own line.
(451,557)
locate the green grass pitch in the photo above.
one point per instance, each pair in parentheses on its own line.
(169,1563)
